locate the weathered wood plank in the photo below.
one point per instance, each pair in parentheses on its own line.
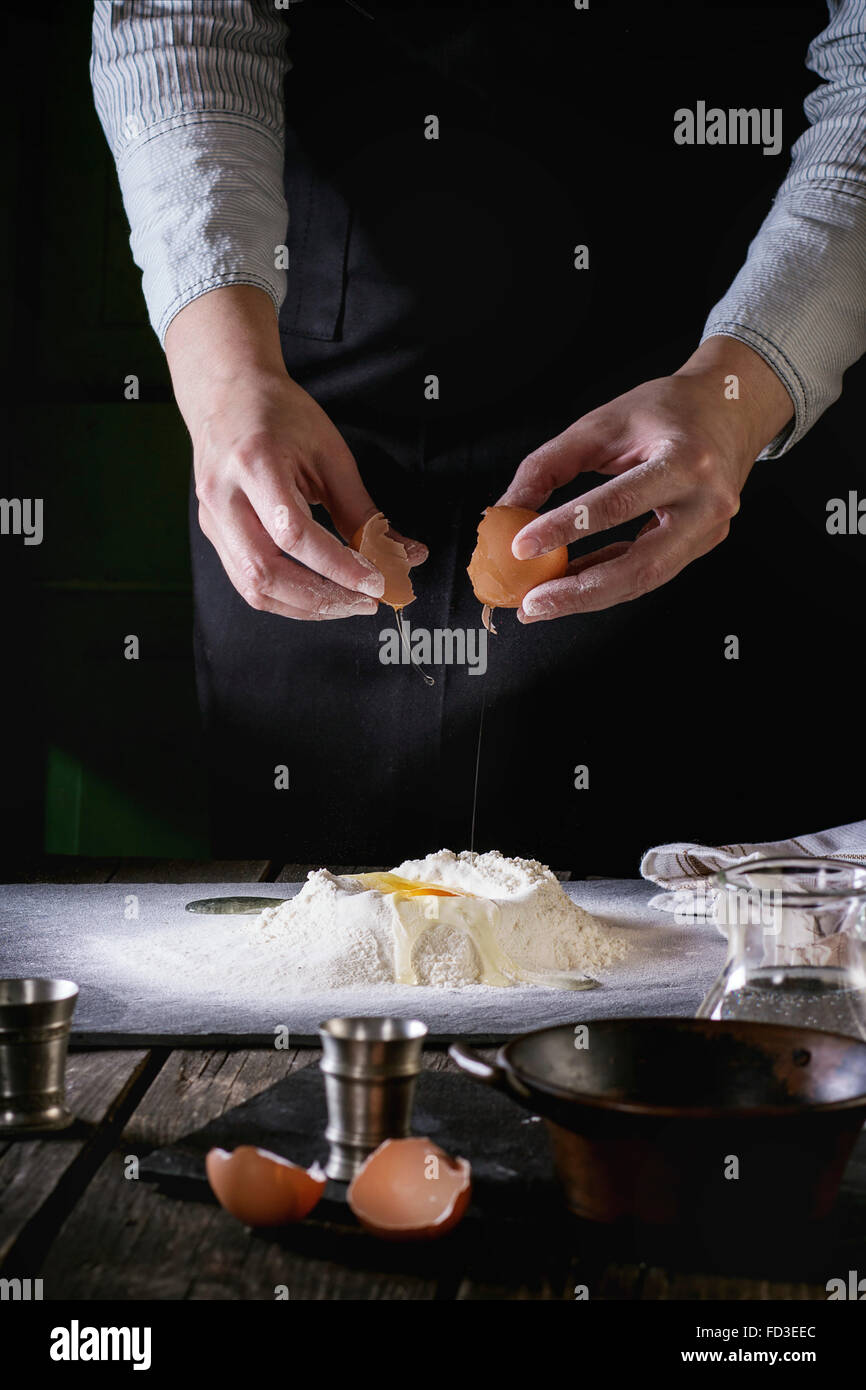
(524,1276)
(32,1170)
(664,1284)
(615,1281)
(59,868)
(191,871)
(437,1059)
(552,1259)
(124,1240)
(296,873)
(194,1086)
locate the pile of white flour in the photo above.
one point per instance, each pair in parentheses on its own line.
(338,933)
(332,935)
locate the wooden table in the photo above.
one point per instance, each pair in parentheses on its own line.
(71,1214)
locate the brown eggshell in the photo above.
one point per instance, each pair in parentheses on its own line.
(373,542)
(498,579)
(262,1189)
(410,1189)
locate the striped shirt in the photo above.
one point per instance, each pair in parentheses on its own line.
(190,96)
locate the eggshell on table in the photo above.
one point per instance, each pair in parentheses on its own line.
(261,1188)
(410,1189)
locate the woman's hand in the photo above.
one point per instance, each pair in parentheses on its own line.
(264,454)
(680,447)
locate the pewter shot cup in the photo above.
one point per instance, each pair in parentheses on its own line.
(370,1066)
(35,1017)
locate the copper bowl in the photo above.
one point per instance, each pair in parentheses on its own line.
(671,1121)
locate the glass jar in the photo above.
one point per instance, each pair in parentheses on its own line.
(796,930)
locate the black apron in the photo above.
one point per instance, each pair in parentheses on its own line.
(454,257)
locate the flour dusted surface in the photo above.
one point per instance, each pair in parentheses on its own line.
(173,973)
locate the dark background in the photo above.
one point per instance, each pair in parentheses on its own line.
(101,755)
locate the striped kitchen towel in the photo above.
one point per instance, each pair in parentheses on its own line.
(684,870)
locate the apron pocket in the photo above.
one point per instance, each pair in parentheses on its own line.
(318,234)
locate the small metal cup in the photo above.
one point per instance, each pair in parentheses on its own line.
(370,1066)
(35,1018)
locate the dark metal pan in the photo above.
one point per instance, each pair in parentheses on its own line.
(669,1121)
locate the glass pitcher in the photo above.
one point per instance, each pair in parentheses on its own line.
(796,931)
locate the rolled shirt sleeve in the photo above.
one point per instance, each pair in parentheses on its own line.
(190,96)
(800,298)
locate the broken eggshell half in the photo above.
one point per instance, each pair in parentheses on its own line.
(388,555)
(410,1189)
(499,579)
(262,1189)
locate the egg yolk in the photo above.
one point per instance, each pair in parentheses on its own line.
(407,887)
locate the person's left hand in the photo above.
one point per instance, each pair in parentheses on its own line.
(676,447)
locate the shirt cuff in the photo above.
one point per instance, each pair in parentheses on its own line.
(785,370)
(800,300)
(203,192)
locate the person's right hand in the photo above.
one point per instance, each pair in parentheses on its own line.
(261,462)
(264,454)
